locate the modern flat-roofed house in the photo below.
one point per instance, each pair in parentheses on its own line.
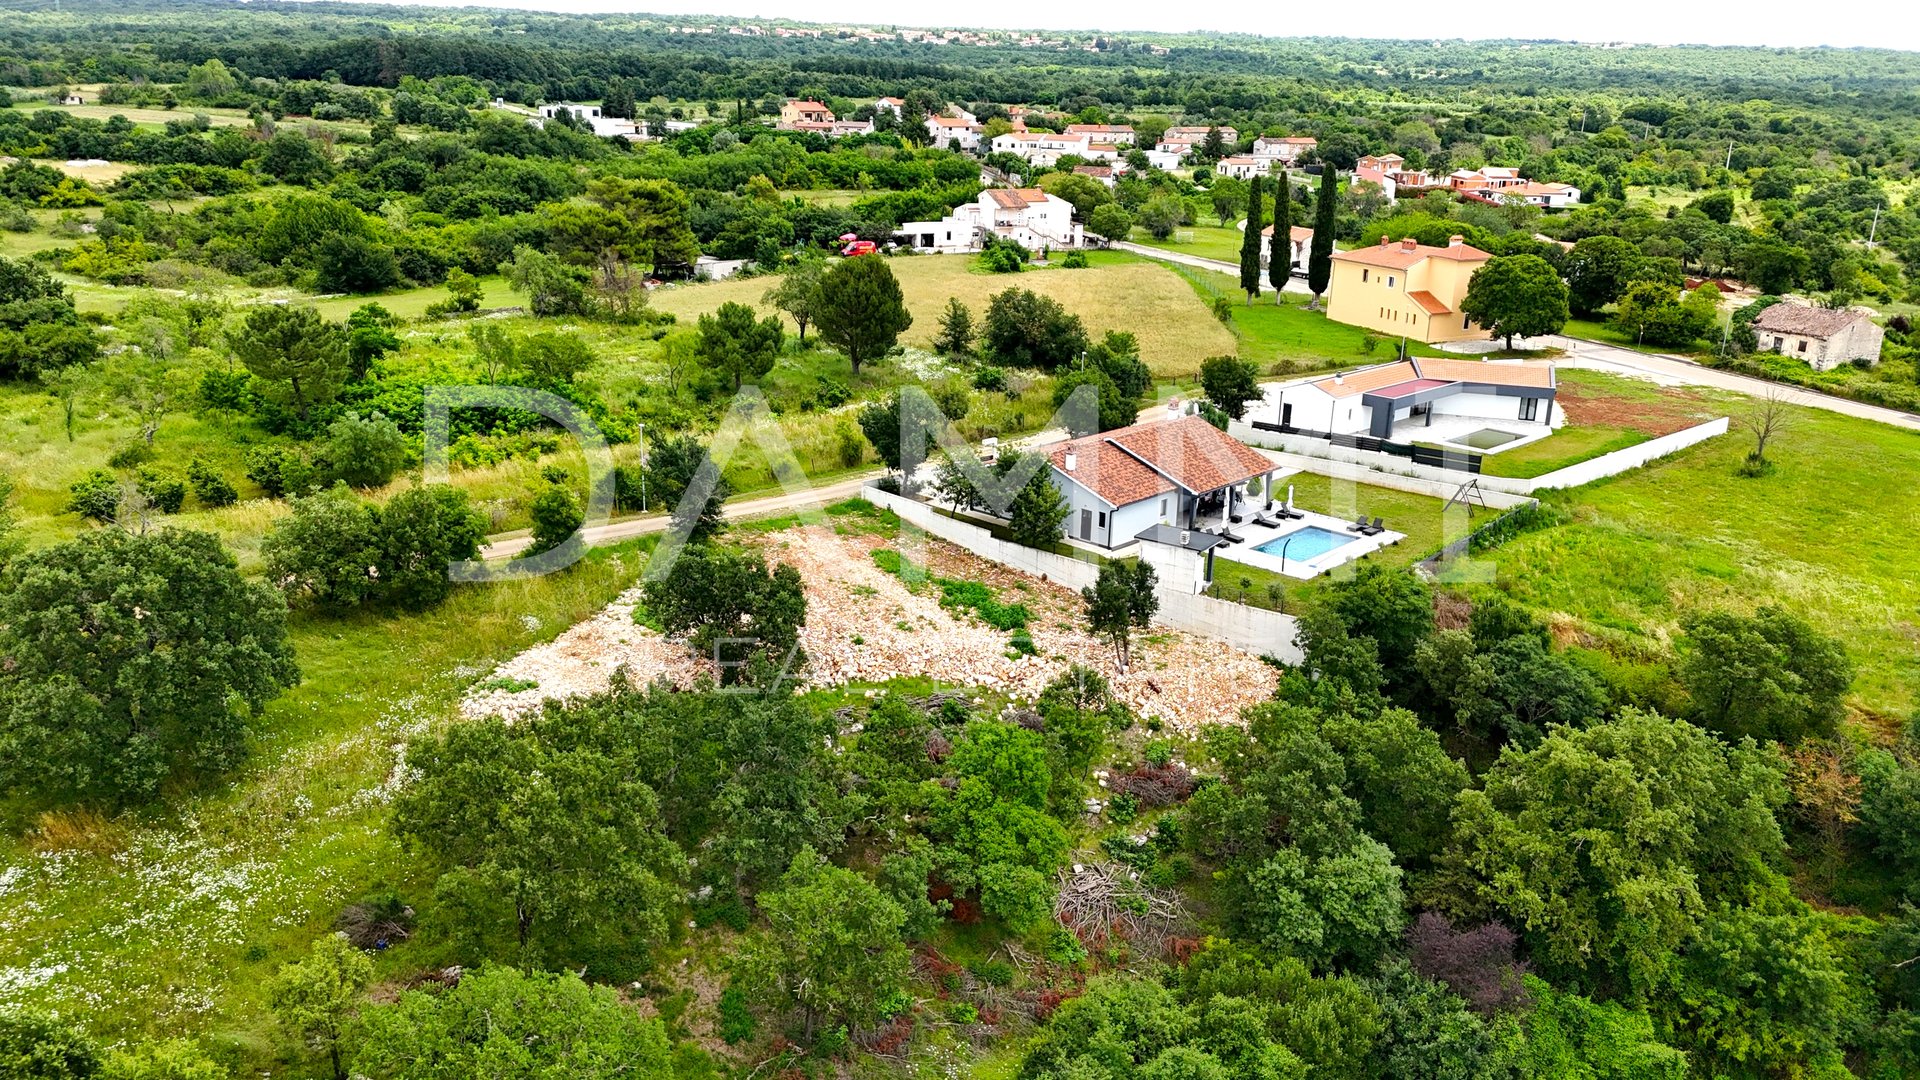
(794,112)
(1123,482)
(1824,337)
(1406,289)
(1301,244)
(1551,196)
(1404,400)
(1286,149)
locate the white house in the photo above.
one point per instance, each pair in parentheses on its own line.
(1228,134)
(1825,338)
(1301,245)
(894,105)
(1535,193)
(579,112)
(1244,168)
(1287,149)
(1116,134)
(1028,216)
(949,131)
(1404,399)
(1122,483)
(1044,148)
(1164,160)
(605,127)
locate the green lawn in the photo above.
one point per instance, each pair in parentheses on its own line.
(1568,446)
(1205,241)
(1600,330)
(1418,516)
(1829,534)
(1280,333)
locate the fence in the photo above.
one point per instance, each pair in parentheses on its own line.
(1256,630)
(1310,452)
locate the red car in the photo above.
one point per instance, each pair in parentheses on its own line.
(858,247)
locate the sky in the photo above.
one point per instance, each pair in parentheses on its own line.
(1845,23)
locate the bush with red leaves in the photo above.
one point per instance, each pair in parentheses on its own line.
(1154,786)
(1477,964)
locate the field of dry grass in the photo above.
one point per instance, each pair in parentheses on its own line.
(1175,328)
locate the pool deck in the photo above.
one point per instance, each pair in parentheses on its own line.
(1449,431)
(1303,569)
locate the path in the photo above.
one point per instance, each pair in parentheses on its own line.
(508,544)
(1294,284)
(1602,356)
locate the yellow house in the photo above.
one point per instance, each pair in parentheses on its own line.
(1406,289)
(794,111)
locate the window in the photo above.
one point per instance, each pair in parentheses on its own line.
(1529,408)
(1803,346)
(1364,272)
(1389,281)
(1163,508)
(1102,516)
(1465,322)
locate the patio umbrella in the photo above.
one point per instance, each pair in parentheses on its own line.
(848,238)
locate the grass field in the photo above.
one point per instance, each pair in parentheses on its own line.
(1600,330)
(168,918)
(148,118)
(1568,446)
(828,196)
(1828,534)
(1281,333)
(1205,241)
(1119,292)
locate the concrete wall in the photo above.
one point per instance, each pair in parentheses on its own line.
(1256,630)
(1390,470)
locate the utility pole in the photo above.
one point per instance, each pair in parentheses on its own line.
(1875,230)
(1729,164)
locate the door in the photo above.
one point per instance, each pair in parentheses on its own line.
(1086,524)
(1286,415)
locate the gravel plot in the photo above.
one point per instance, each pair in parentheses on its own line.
(866,625)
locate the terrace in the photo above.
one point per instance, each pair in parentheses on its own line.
(1283,539)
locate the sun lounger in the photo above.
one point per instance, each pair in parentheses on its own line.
(1231,537)
(1374,529)
(1271,523)
(1359,525)
(1291,514)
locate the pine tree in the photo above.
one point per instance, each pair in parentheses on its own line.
(1280,249)
(1320,262)
(1250,245)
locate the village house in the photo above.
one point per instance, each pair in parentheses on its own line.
(1287,149)
(73,99)
(1029,217)
(1244,168)
(953,131)
(1301,248)
(1116,134)
(605,127)
(1405,289)
(1384,180)
(794,112)
(1228,134)
(1824,337)
(1121,483)
(1042,149)
(1103,174)
(1491,178)
(1551,196)
(833,129)
(894,105)
(1165,160)
(1424,399)
(1388,163)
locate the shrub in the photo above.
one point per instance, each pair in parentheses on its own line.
(1075,260)
(138,452)
(210,487)
(556,514)
(165,492)
(736,1022)
(95,495)
(365,452)
(990,377)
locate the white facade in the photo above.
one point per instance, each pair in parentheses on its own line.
(1287,150)
(1027,216)
(1244,168)
(1164,160)
(580,112)
(1043,149)
(948,131)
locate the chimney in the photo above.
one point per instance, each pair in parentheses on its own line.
(1456,240)
(1384,241)
(1339,379)
(1184,536)
(1072,460)
(1409,244)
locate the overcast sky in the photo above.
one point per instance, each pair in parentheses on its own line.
(1886,23)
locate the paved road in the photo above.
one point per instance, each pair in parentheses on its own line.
(1294,285)
(1603,356)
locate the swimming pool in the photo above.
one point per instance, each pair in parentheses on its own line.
(1488,438)
(1303,544)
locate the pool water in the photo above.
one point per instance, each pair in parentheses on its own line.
(1488,438)
(1303,544)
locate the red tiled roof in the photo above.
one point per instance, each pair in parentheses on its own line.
(1129,464)
(1428,302)
(1016,198)
(1399,256)
(1805,321)
(1375,379)
(1299,234)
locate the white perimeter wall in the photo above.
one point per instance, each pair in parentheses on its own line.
(1391,470)
(1253,629)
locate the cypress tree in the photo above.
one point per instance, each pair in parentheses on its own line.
(1320,262)
(1280,249)
(1250,245)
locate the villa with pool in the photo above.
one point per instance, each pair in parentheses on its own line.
(1187,486)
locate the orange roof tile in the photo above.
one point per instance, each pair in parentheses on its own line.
(1399,256)
(1129,464)
(1366,380)
(1299,234)
(1428,302)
